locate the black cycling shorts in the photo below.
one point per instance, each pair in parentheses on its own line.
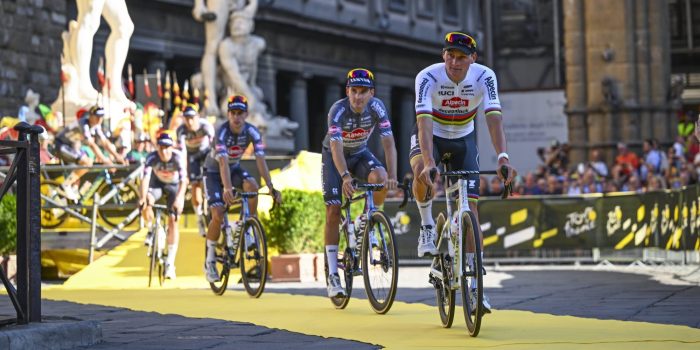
(464,155)
(215,186)
(359,164)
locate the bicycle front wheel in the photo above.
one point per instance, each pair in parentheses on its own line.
(253,257)
(471,282)
(444,294)
(380,263)
(224,256)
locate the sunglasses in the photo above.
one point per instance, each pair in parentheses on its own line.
(461,39)
(238,98)
(360,73)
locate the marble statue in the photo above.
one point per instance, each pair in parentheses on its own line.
(230,64)
(77,51)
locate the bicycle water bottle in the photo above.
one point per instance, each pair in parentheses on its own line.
(352,240)
(161,237)
(360,229)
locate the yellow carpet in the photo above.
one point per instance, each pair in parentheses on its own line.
(118,279)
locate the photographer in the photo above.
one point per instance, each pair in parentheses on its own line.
(555,158)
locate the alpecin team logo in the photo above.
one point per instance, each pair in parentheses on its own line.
(455,102)
(356,134)
(333,130)
(235,151)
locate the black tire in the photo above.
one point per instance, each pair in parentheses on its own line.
(254,262)
(380,264)
(52,217)
(127,199)
(444,294)
(152,259)
(346,267)
(469,277)
(224,260)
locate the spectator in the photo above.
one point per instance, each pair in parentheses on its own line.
(626,161)
(553,185)
(653,159)
(483,186)
(589,183)
(574,186)
(655,183)
(692,148)
(495,187)
(530,187)
(597,163)
(633,185)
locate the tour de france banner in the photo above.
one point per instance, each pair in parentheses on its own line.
(664,219)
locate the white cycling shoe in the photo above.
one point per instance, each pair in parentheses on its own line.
(426,241)
(335,289)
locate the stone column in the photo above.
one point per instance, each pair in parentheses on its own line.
(267,80)
(402,134)
(299,111)
(333,93)
(382,92)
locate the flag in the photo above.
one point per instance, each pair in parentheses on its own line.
(176,91)
(146,87)
(159,87)
(195,96)
(186,90)
(131,82)
(205,103)
(101,73)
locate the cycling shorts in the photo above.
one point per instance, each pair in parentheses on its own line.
(464,155)
(156,188)
(215,188)
(359,165)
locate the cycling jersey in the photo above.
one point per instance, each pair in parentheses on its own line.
(354,129)
(454,106)
(170,172)
(231,145)
(196,140)
(80,130)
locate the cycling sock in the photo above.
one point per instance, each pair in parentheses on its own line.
(172,251)
(198,211)
(332,254)
(211,246)
(426,213)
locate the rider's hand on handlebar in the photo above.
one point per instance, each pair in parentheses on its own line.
(425,177)
(503,162)
(276,195)
(229,196)
(348,189)
(391,184)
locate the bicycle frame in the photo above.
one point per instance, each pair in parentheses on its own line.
(233,239)
(462,206)
(369,208)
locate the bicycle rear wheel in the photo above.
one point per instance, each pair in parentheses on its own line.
(52,217)
(380,263)
(254,259)
(224,258)
(471,282)
(115,210)
(444,294)
(346,266)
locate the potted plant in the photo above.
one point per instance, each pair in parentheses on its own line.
(295,231)
(8,235)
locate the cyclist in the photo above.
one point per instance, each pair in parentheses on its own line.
(167,166)
(195,136)
(448,95)
(80,143)
(351,121)
(224,172)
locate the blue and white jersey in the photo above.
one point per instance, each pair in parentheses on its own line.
(170,172)
(231,145)
(354,129)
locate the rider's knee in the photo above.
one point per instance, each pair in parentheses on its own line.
(250,185)
(377,175)
(217,214)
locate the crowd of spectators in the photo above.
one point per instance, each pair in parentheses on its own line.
(656,168)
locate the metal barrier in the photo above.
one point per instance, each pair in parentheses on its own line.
(25,170)
(98,202)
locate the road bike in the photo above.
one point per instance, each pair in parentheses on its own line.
(459,265)
(112,212)
(251,256)
(157,247)
(368,250)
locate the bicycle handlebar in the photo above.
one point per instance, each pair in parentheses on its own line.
(507,189)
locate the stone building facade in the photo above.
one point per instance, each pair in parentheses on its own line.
(30,50)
